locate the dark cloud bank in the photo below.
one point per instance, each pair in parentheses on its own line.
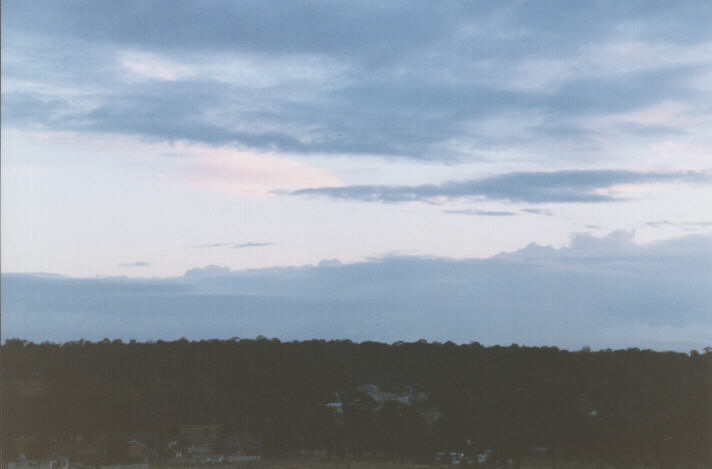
(603,292)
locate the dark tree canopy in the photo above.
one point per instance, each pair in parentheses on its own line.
(616,407)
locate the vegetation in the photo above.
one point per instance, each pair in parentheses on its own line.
(620,408)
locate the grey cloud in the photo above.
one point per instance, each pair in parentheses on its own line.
(484,213)
(589,95)
(339,27)
(233,245)
(207,271)
(329,263)
(251,245)
(529,187)
(136,264)
(604,292)
(656,224)
(266,26)
(538,211)
(416,76)
(688,224)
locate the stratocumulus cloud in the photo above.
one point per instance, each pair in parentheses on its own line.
(455,81)
(530,187)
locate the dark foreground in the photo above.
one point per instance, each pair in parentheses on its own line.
(244,403)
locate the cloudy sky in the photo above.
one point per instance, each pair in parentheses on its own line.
(144,139)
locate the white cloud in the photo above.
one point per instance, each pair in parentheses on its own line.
(237,69)
(150,66)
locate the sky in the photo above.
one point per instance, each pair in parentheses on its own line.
(142,140)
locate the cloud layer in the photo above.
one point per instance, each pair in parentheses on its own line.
(234,245)
(604,292)
(134,130)
(529,187)
(417,80)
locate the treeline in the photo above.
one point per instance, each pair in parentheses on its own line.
(623,407)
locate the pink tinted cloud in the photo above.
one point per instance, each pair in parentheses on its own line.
(244,172)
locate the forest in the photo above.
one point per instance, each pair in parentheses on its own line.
(621,408)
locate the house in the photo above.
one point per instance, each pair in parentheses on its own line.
(197,434)
(484,456)
(200,449)
(406,398)
(417,400)
(242,443)
(147,438)
(136,450)
(336,407)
